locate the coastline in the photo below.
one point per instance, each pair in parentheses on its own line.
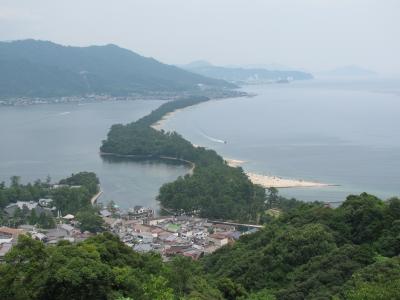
(266,181)
(159,124)
(94,199)
(192,164)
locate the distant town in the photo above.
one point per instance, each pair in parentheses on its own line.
(90,98)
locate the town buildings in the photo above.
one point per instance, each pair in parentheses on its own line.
(173,235)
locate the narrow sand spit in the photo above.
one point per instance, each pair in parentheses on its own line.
(278,182)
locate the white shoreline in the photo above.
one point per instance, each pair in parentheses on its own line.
(160,124)
(279,182)
(269,181)
(266,181)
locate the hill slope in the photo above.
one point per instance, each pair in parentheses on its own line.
(246,75)
(39,68)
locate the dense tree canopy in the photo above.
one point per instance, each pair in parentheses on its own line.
(309,252)
(88,180)
(316,252)
(102,267)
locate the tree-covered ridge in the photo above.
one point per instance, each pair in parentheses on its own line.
(316,252)
(214,190)
(31,68)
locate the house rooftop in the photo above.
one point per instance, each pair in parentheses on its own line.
(217,236)
(20,204)
(105,213)
(67,227)
(11,231)
(143,248)
(4,248)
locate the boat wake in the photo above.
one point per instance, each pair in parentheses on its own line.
(213,139)
(64,113)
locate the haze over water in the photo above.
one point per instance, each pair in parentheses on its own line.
(341,133)
(345,134)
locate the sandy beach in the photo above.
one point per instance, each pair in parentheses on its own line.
(268,181)
(159,124)
(234,162)
(278,182)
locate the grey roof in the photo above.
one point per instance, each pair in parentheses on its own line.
(143,248)
(46,200)
(235,235)
(56,233)
(11,208)
(105,213)
(20,204)
(67,227)
(4,248)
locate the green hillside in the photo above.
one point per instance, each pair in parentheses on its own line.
(44,69)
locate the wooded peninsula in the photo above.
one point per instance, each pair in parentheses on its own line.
(213,190)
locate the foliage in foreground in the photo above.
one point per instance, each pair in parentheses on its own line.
(316,252)
(102,267)
(310,252)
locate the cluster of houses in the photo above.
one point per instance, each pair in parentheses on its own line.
(173,235)
(42,206)
(18,101)
(138,228)
(65,230)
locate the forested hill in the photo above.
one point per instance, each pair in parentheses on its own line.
(34,68)
(316,252)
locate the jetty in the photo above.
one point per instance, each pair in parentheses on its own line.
(96,197)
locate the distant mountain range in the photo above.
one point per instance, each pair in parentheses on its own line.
(246,74)
(31,68)
(347,72)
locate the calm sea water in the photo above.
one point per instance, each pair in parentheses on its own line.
(61,139)
(340,133)
(346,134)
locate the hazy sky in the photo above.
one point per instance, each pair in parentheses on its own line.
(310,34)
